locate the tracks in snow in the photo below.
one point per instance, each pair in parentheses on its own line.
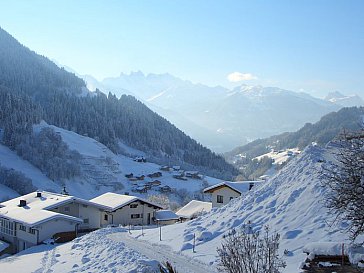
(162,254)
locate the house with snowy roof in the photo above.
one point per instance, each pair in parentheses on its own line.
(126,209)
(30,219)
(223,192)
(166,217)
(193,209)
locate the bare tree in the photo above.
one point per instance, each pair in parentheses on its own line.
(345,180)
(248,251)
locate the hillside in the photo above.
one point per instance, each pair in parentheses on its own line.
(216,116)
(62,99)
(321,132)
(292,203)
(100,171)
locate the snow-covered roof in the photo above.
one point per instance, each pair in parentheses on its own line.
(194,207)
(115,201)
(165,215)
(33,217)
(36,209)
(3,245)
(325,248)
(239,186)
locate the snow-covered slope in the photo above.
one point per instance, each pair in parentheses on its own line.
(291,203)
(10,160)
(101,170)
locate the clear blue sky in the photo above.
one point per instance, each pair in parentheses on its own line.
(311,45)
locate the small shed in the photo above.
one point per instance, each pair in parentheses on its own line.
(166,217)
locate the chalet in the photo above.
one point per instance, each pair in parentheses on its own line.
(155,175)
(140,159)
(30,219)
(165,168)
(193,174)
(140,177)
(166,217)
(154,183)
(223,192)
(130,175)
(193,209)
(165,188)
(176,168)
(180,177)
(125,210)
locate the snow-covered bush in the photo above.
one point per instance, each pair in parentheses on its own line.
(250,251)
(16,180)
(50,154)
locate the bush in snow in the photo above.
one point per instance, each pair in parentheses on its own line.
(50,154)
(248,251)
(16,181)
(345,181)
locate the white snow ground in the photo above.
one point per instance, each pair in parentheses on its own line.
(94,252)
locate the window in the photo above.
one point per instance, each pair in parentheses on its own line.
(22,228)
(220,199)
(7,227)
(85,221)
(31,230)
(135,216)
(106,217)
(85,206)
(133,206)
(67,209)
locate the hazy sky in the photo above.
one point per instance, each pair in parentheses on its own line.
(311,45)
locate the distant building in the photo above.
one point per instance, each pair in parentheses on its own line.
(222,193)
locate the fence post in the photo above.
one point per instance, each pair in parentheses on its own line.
(194,242)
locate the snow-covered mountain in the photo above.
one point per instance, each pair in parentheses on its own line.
(344,100)
(216,116)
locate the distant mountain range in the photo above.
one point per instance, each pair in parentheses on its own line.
(221,118)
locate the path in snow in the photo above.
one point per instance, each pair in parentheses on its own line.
(162,253)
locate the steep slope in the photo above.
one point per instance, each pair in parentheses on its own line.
(229,117)
(65,102)
(291,203)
